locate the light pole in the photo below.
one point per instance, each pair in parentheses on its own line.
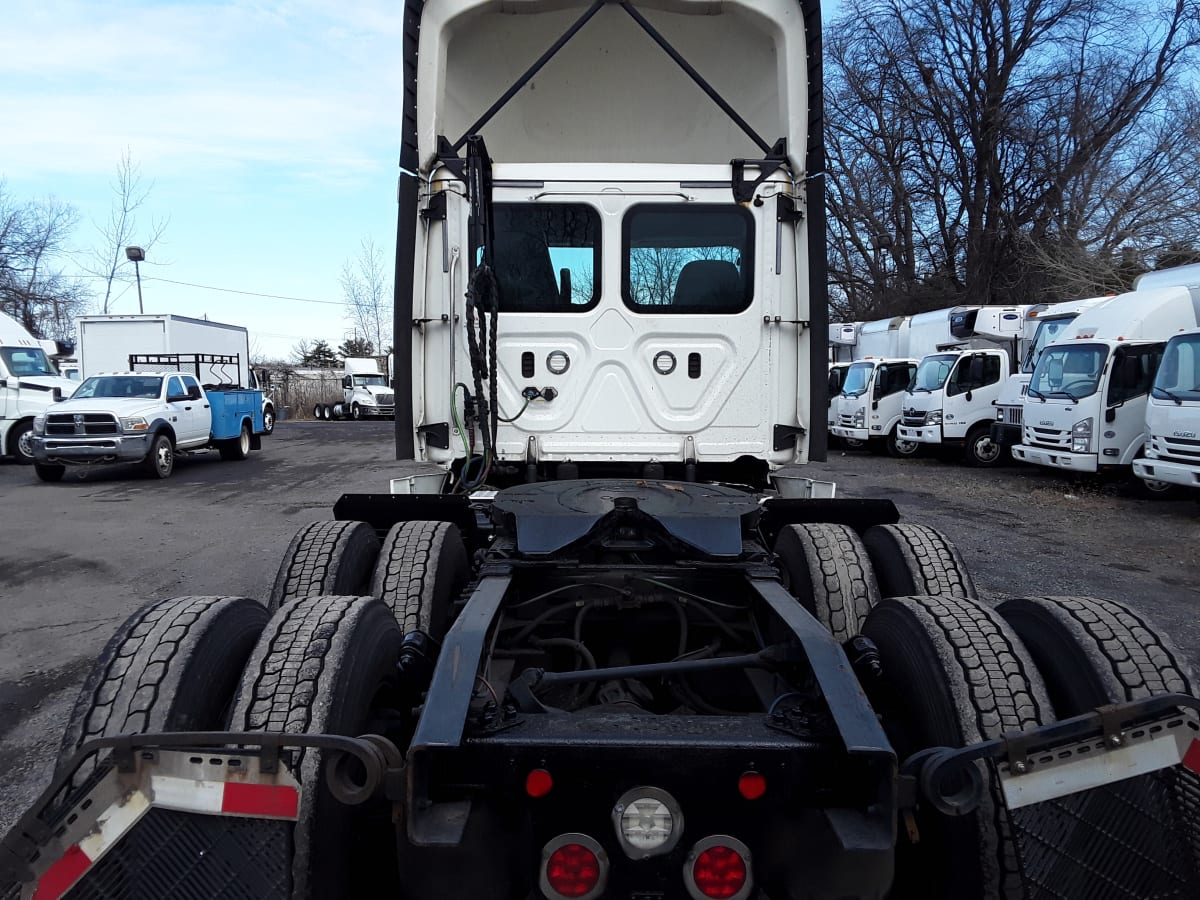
(137,255)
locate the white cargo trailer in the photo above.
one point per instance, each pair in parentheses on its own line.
(105,343)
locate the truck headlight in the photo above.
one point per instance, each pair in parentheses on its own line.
(39,424)
(1081,437)
(134,423)
(999,415)
(860,418)
(933,417)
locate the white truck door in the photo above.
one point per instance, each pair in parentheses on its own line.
(970,390)
(1131,375)
(184,411)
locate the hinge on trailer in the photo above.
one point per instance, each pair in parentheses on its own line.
(436,210)
(786,210)
(436,435)
(743,190)
(779,320)
(785,436)
(443,318)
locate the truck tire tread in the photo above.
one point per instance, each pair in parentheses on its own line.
(959,674)
(1125,656)
(916,560)
(325,558)
(422,566)
(172,666)
(317,668)
(829,571)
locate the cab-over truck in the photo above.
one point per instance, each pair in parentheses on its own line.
(603,660)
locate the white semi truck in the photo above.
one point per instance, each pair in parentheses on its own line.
(105,343)
(1085,408)
(366,393)
(29,385)
(587,680)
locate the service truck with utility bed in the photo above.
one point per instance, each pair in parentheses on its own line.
(148,416)
(599,657)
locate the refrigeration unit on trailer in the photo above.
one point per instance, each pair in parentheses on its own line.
(1042,327)
(29,385)
(564,676)
(843,341)
(1172,450)
(1085,409)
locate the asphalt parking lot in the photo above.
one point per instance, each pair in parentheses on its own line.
(76,558)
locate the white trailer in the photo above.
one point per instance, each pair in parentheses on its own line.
(29,385)
(1085,409)
(105,343)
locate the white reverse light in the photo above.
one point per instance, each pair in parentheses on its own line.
(649,822)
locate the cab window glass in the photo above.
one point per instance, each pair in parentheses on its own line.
(688,259)
(972,373)
(1133,372)
(546,257)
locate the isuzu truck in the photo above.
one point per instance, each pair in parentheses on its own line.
(29,385)
(1085,409)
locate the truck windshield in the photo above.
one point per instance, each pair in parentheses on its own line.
(932,373)
(857,379)
(1069,372)
(693,259)
(1047,331)
(146,388)
(370,380)
(26,361)
(1179,372)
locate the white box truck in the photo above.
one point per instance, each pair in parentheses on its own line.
(1085,409)
(29,385)
(951,398)
(105,343)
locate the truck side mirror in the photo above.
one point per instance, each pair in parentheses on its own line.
(193,392)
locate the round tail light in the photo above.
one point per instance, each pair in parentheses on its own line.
(574,866)
(718,868)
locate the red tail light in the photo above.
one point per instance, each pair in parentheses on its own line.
(575,866)
(718,868)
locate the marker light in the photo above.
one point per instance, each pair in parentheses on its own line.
(719,868)
(575,867)
(648,821)
(752,785)
(538,783)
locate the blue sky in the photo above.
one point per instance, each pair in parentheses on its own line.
(267,129)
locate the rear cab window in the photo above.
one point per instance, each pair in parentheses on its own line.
(687,259)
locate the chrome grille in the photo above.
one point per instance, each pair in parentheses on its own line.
(1177,450)
(913,418)
(59,424)
(385,399)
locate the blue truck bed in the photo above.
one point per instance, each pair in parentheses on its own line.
(231,408)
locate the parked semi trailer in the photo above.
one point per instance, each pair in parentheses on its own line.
(598,658)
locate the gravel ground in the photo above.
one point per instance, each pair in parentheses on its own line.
(78,557)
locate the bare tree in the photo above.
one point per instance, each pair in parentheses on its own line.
(33,288)
(121,229)
(987,151)
(368,294)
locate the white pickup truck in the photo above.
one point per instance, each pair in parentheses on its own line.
(145,417)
